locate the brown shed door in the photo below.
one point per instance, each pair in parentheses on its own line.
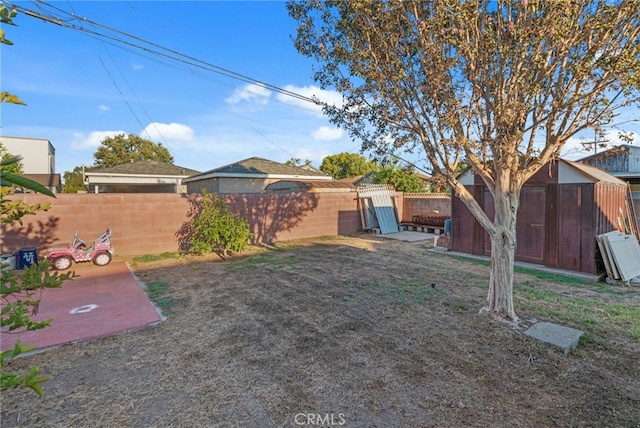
(530,226)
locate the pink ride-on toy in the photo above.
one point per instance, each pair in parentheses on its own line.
(99,252)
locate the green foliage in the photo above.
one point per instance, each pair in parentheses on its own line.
(13,210)
(12,380)
(402,179)
(18,291)
(155,257)
(5,17)
(122,149)
(215,229)
(73,180)
(9,165)
(8,177)
(346,165)
(20,294)
(156,291)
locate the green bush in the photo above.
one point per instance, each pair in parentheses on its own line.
(215,229)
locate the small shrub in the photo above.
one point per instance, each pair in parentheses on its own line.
(215,229)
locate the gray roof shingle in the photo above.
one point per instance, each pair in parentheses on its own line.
(146,167)
(259,166)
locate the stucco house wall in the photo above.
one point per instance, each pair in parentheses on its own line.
(38,154)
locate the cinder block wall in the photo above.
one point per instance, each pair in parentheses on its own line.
(149,223)
(424,203)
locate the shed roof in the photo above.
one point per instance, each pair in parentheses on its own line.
(258,167)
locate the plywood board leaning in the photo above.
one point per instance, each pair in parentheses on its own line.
(625,251)
(609,264)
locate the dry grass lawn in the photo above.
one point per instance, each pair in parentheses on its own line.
(349,328)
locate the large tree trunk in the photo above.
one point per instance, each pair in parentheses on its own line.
(503,247)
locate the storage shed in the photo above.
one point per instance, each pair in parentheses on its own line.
(563,208)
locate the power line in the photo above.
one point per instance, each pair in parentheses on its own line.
(151,121)
(64,19)
(122,95)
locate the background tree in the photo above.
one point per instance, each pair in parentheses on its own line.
(402,179)
(121,149)
(502,84)
(346,165)
(297,162)
(74,180)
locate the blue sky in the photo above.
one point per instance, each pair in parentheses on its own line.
(80,89)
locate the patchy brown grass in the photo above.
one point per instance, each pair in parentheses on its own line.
(349,327)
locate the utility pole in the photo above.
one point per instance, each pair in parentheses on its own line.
(596,142)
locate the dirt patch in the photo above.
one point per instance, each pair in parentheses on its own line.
(349,330)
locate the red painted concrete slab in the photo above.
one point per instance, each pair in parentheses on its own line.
(102,301)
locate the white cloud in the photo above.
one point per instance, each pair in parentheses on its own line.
(137,66)
(103,107)
(328,97)
(326,133)
(256,94)
(93,140)
(575,148)
(169,132)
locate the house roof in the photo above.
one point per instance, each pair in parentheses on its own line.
(145,167)
(622,148)
(258,167)
(596,174)
(620,161)
(359,179)
(47,180)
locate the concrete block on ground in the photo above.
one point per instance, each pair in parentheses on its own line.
(565,338)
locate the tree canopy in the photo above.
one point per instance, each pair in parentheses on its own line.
(73,180)
(402,179)
(121,149)
(501,84)
(346,165)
